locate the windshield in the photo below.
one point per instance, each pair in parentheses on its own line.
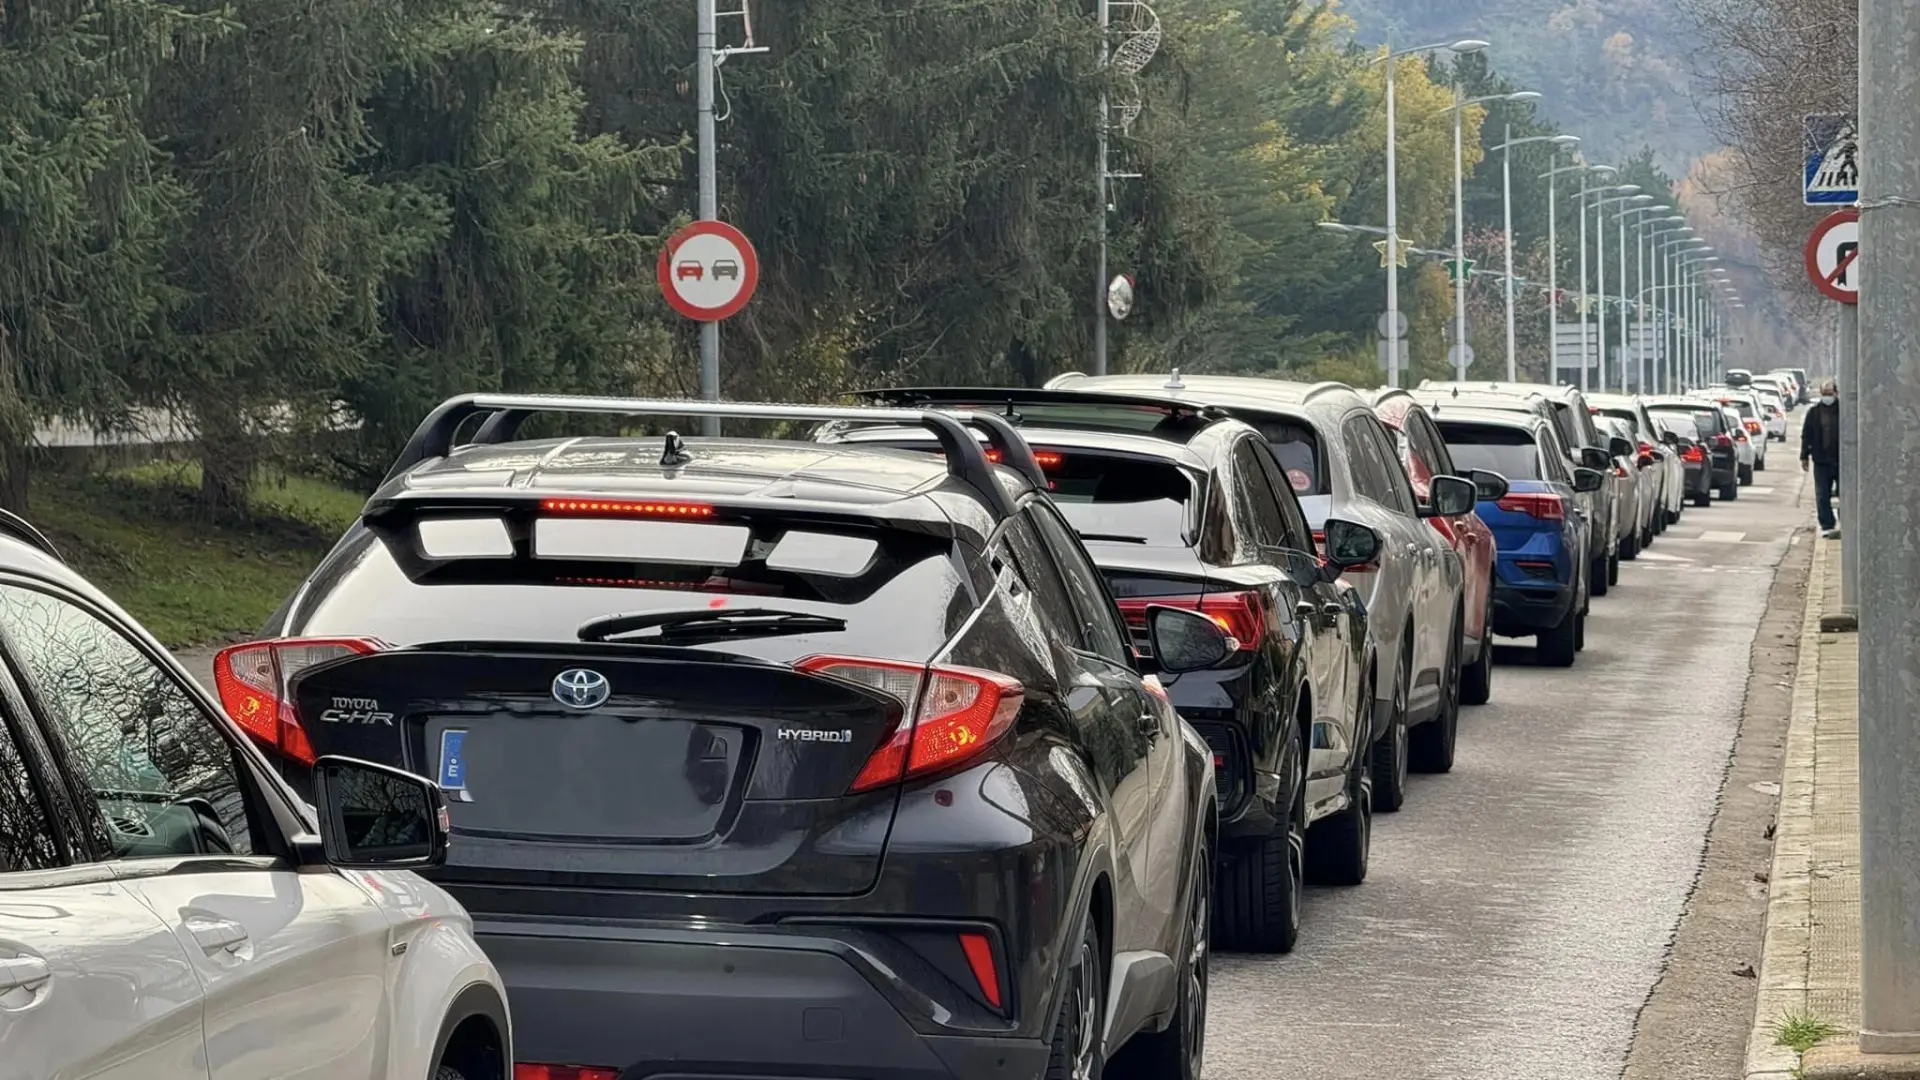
(1509,451)
(1116,498)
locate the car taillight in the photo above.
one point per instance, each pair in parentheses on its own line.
(1739,436)
(1320,545)
(253,680)
(1753,427)
(1046,459)
(1619,470)
(1722,441)
(1544,505)
(1692,454)
(524,1070)
(1646,449)
(979,953)
(1241,614)
(623,508)
(949,714)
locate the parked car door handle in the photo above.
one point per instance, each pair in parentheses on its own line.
(216,935)
(1330,615)
(23,973)
(1149,725)
(1304,611)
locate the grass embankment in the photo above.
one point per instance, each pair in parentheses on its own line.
(140,534)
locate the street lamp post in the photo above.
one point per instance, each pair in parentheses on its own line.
(1640,374)
(1626,194)
(1393,209)
(1585,299)
(1506,197)
(1653,234)
(1553,257)
(1459,109)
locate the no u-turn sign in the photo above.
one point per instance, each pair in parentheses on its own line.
(1833,254)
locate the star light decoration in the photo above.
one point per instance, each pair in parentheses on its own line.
(1399,258)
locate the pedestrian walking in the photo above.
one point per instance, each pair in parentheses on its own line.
(1820,446)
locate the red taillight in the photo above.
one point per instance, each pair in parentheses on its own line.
(950,713)
(1739,436)
(253,679)
(1240,614)
(623,508)
(523,1070)
(1753,427)
(1646,449)
(980,959)
(1544,505)
(1722,440)
(1692,454)
(1320,545)
(1619,470)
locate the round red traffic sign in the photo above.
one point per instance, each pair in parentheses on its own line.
(708,271)
(1833,256)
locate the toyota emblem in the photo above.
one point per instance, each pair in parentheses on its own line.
(578,688)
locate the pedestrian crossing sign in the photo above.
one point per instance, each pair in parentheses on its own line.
(1833,165)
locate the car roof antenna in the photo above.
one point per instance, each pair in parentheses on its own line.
(673,451)
(1173,381)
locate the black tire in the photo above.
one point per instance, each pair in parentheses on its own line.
(1258,891)
(1580,633)
(1630,547)
(1430,746)
(1179,1052)
(1746,475)
(1613,571)
(1730,492)
(1075,1053)
(1390,753)
(448,1072)
(1597,580)
(1760,465)
(1476,681)
(1555,647)
(1704,498)
(1339,846)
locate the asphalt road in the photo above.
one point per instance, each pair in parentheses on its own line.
(1519,910)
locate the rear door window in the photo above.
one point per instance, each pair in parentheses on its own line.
(1509,451)
(1298,534)
(26,829)
(1264,525)
(1296,446)
(1130,500)
(1085,588)
(1386,482)
(1043,578)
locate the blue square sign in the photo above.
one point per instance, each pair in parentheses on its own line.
(1833,162)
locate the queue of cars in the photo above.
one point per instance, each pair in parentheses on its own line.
(943,737)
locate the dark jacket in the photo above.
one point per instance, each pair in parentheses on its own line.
(1820,435)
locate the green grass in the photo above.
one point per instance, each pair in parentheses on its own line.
(140,535)
(1801,1032)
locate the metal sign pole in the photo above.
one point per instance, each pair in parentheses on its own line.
(709,197)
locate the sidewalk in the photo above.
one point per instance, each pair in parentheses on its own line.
(1810,965)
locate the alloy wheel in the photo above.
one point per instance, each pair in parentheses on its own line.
(1194,1015)
(1086,1009)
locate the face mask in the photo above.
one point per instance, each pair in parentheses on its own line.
(1828,399)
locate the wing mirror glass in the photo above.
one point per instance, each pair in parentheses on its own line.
(1586,480)
(1670,438)
(1489,485)
(1186,640)
(1350,544)
(1449,496)
(1593,457)
(1620,448)
(373,817)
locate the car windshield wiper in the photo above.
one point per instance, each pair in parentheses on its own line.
(1110,538)
(709,624)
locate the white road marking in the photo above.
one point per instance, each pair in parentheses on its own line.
(1658,556)
(1722,537)
(1759,491)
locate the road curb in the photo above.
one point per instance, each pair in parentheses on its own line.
(1801,884)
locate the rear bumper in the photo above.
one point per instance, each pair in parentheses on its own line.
(744,1003)
(1525,611)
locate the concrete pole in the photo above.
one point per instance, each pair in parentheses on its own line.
(1886,528)
(1100,207)
(1393,238)
(1553,274)
(1648,378)
(1459,238)
(709,194)
(1506,238)
(1846,368)
(1584,300)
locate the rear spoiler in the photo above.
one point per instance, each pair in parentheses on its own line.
(1010,398)
(505,413)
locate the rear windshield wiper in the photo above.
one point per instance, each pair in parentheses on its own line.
(709,624)
(1111,538)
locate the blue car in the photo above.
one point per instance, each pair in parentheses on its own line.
(1540,537)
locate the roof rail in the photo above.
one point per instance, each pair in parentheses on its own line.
(1010,397)
(21,529)
(505,413)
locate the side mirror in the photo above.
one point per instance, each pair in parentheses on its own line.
(1670,438)
(1185,640)
(1488,484)
(373,817)
(1449,496)
(1586,480)
(1350,544)
(1620,448)
(1593,457)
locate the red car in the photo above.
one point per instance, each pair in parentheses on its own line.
(1423,453)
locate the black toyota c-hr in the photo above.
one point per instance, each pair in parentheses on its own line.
(768,758)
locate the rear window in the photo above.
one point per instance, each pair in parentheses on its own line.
(900,593)
(1297,448)
(1625,416)
(1743,407)
(1120,499)
(1509,451)
(1706,422)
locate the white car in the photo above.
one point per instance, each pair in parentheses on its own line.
(169,910)
(1773,409)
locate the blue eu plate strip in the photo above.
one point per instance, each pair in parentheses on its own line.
(453,767)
